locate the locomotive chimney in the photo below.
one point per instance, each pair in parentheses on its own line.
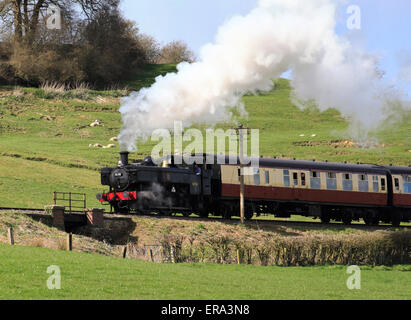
(124,158)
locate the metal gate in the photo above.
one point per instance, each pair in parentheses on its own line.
(70,200)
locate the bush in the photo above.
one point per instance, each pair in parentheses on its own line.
(106,52)
(35,65)
(380,248)
(176,52)
(111,52)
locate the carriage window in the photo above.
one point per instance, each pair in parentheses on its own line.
(295,178)
(267,177)
(286,178)
(256,172)
(375,185)
(407,184)
(397,184)
(347,182)
(303,183)
(332,181)
(363,183)
(315,180)
(383,184)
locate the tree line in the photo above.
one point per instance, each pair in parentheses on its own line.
(74,41)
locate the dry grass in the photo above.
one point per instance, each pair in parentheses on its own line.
(173,240)
(216,242)
(53,87)
(31,233)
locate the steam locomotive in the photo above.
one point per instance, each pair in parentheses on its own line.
(328,191)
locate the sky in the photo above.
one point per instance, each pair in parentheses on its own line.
(385,27)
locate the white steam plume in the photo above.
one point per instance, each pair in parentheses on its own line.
(249,52)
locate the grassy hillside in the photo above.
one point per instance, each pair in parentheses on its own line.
(45,137)
(88,276)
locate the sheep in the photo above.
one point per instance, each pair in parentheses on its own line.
(96,123)
(110,146)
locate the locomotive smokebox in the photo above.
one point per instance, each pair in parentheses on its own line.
(124,157)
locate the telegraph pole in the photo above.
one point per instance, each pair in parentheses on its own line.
(240,130)
(241,173)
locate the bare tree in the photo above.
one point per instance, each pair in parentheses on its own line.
(176,52)
(151,47)
(23,16)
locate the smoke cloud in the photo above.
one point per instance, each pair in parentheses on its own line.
(404,59)
(249,52)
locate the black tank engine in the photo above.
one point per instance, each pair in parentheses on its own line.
(145,187)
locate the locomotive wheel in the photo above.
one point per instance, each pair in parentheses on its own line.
(325,216)
(204,214)
(371,219)
(368,219)
(347,219)
(225,212)
(325,219)
(376,221)
(226,215)
(249,211)
(396,221)
(120,210)
(166,213)
(249,215)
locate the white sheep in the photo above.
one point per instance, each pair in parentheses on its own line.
(96,123)
(110,146)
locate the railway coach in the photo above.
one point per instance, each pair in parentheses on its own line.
(327,191)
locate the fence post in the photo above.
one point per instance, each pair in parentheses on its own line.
(238,257)
(69,242)
(11,237)
(54,198)
(173,260)
(124,252)
(151,255)
(70,201)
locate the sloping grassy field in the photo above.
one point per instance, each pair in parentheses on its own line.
(45,137)
(23,275)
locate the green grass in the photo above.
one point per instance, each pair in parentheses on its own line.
(88,276)
(39,156)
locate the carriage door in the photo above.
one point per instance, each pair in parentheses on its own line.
(299,182)
(295,184)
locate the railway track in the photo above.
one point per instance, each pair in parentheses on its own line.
(254,222)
